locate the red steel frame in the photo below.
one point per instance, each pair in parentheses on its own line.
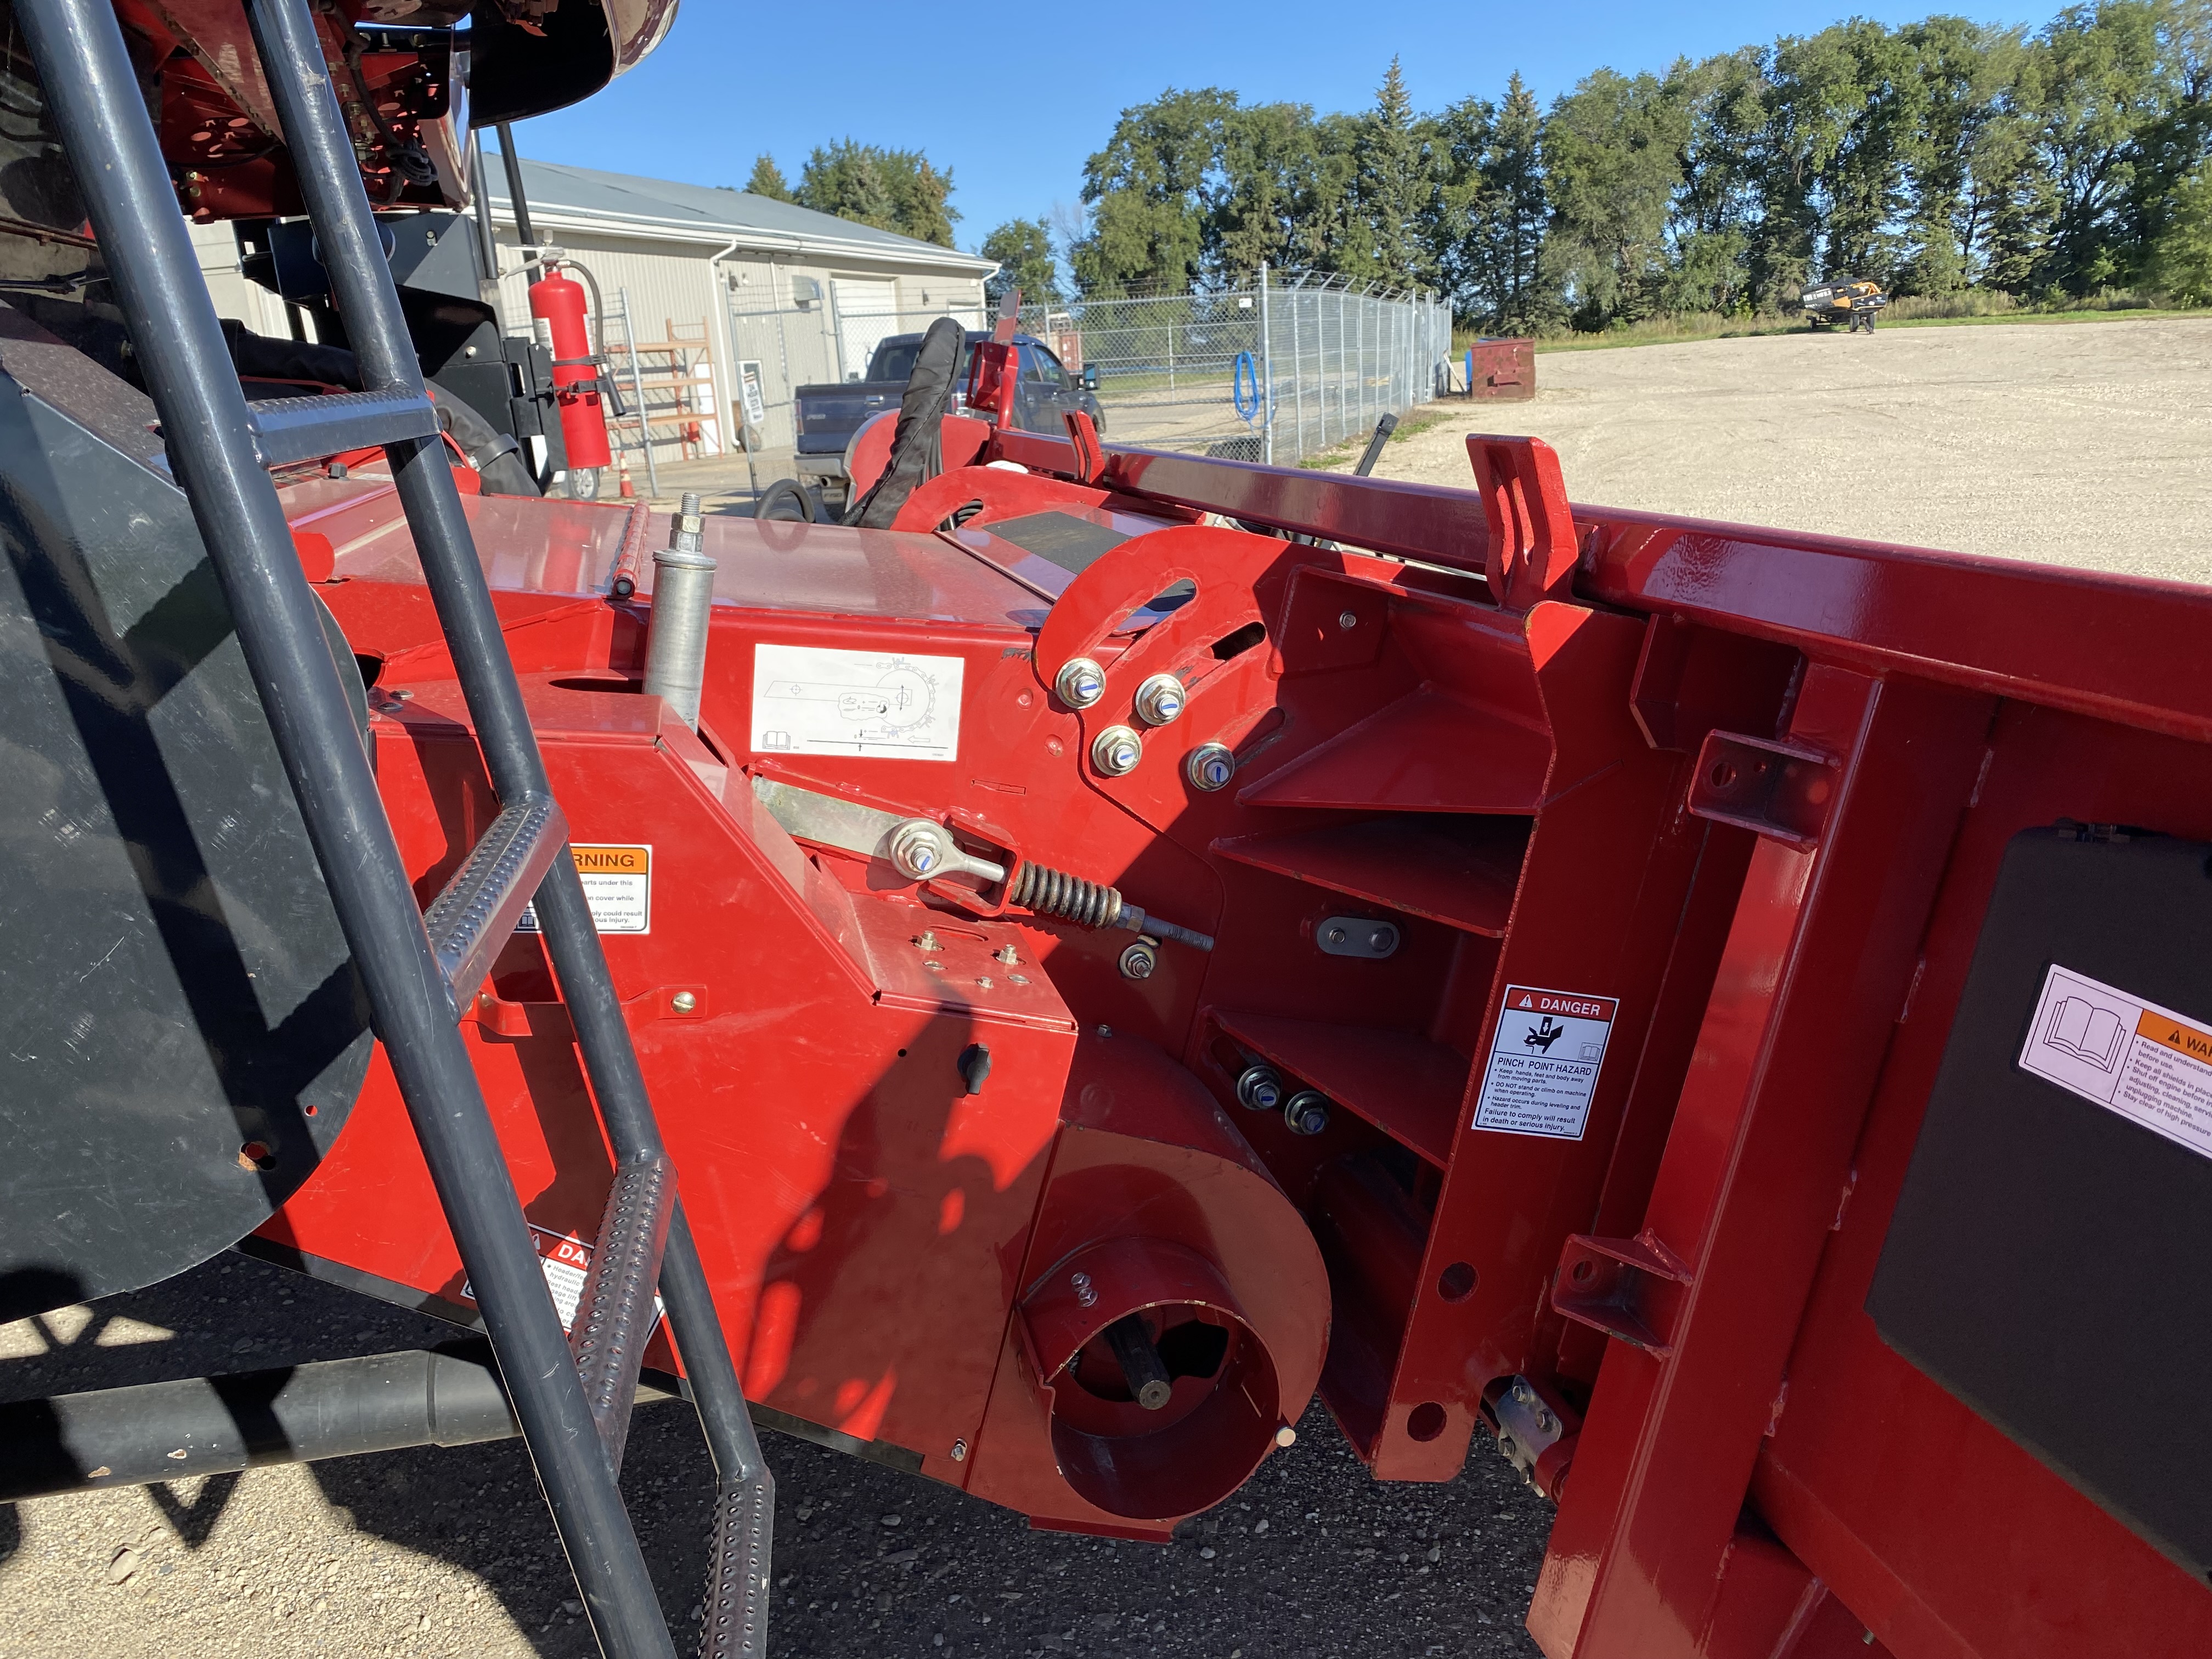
(1754,1472)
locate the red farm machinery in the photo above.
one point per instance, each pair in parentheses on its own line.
(1042,978)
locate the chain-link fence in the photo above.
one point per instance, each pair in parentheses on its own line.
(1293,365)
(1286,366)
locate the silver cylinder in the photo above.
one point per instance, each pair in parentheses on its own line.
(682,611)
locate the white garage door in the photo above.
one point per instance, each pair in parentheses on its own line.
(867,310)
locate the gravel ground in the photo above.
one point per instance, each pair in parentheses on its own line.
(2084,444)
(440,1551)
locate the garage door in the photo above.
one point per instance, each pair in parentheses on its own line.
(867,311)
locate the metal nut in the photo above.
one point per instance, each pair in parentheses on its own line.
(1139,961)
(1260,1087)
(1210,766)
(1159,700)
(1116,751)
(920,849)
(1306,1112)
(1347,619)
(1079,682)
(960,1451)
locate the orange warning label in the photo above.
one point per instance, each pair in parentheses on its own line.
(617,885)
(2169,1033)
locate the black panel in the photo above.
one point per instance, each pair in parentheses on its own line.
(1061,539)
(176,987)
(2049,1261)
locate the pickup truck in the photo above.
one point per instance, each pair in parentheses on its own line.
(831,415)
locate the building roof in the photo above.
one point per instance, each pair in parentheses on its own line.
(615,203)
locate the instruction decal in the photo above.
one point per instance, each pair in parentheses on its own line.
(617,885)
(810,700)
(1544,1062)
(2149,1064)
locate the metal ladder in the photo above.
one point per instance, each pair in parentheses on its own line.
(419,969)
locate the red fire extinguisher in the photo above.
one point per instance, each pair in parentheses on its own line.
(560,303)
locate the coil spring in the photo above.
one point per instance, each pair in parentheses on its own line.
(1051,892)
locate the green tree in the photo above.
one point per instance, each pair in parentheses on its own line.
(1393,189)
(1148,192)
(1484,225)
(768,180)
(2181,264)
(1966,71)
(2091,85)
(1612,151)
(896,190)
(1023,248)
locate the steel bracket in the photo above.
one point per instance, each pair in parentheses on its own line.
(1628,1288)
(1781,790)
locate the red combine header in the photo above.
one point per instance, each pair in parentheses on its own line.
(1044,977)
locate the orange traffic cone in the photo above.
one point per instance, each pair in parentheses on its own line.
(628,492)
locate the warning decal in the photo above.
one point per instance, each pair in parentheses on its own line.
(2150,1064)
(1544,1062)
(617,885)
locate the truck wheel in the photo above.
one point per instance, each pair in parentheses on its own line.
(789,501)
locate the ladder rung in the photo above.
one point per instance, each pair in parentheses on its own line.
(616,1315)
(736,1575)
(473,917)
(288,429)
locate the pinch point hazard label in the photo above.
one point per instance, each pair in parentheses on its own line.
(617,885)
(1544,1062)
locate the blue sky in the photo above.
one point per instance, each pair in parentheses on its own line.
(1014,99)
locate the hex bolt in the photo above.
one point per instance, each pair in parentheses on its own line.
(960,1451)
(1086,1295)
(1336,936)
(1260,1087)
(1139,961)
(919,847)
(1007,954)
(1079,682)
(1347,619)
(683,1002)
(1210,766)
(1159,700)
(1117,750)
(928,941)
(1306,1112)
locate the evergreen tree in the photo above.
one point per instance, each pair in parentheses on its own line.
(896,190)
(768,179)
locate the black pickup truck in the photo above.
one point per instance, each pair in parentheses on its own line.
(831,414)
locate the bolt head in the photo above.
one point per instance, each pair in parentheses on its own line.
(1210,766)
(1306,1112)
(1139,961)
(1080,683)
(683,1002)
(1117,750)
(1260,1088)
(1383,940)
(1347,619)
(1336,936)
(960,1451)
(1159,700)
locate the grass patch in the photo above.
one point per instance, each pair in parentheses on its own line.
(1948,311)
(1409,426)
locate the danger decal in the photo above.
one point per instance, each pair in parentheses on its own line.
(1544,1062)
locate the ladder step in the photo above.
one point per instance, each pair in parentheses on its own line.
(473,917)
(288,429)
(737,1573)
(616,1315)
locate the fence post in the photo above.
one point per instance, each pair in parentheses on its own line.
(1266,376)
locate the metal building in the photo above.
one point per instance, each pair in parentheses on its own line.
(713,276)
